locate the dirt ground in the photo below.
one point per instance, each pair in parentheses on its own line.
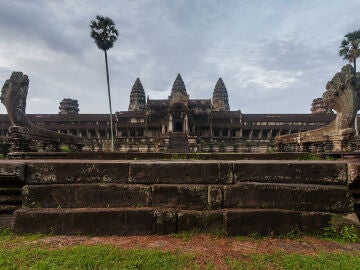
(207,248)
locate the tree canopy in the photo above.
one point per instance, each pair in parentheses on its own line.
(103,31)
(350,47)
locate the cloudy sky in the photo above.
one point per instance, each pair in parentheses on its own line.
(274,56)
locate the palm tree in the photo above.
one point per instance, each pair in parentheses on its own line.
(104,33)
(350,48)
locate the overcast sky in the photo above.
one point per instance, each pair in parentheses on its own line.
(274,56)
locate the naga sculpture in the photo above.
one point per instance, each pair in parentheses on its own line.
(13,96)
(22,131)
(342,95)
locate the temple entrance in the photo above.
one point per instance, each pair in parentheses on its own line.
(178,126)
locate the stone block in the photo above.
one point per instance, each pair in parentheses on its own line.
(86,196)
(12,173)
(194,197)
(354,174)
(215,197)
(174,172)
(112,221)
(226,172)
(202,221)
(329,198)
(315,172)
(267,222)
(166,221)
(72,171)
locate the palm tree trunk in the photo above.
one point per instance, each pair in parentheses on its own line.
(108,85)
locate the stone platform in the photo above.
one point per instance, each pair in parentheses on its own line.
(133,197)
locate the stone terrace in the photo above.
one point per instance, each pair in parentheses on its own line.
(135,197)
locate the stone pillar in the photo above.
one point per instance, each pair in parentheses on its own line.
(170,123)
(260,134)
(185,123)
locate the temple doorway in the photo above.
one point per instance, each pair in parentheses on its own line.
(178,126)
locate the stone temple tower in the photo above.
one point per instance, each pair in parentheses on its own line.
(220,100)
(178,91)
(69,106)
(137,97)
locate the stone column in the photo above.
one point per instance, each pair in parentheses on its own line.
(185,123)
(170,123)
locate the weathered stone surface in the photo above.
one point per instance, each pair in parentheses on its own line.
(137,97)
(13,96)
(166,221)
(289,196)
(77,172)
(215,197)
(12,173)
(204,221)
(21,130)
(115,221)
(86,195)
(314,172)
(220,100)
(226,172)
(342,95)
(184,172)
(194,197)
(354,173)
(260,221)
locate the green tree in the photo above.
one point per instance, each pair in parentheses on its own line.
(104,33)
(349,48)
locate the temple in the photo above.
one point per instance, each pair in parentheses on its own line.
(179,123)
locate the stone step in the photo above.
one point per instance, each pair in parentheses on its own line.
(141,221)
(329,198)
(12,173)
(185,172)
(7,221)
(10,190)
(8,208)
(10,199)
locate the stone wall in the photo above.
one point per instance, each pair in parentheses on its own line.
(160,197)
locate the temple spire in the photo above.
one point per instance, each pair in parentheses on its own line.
(220,100)
(137,97)
(178,86)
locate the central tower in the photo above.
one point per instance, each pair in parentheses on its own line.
(178,110)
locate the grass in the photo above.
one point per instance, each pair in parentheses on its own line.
(341,261)
(89,257)
(24,252)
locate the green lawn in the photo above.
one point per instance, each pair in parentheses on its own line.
(26,252)
(341,261)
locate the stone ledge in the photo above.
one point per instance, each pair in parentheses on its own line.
(12,173)
(86,195)
(307,172)
(183,172)
(61,172)
(274,221)
(124,221)
(141,221)
(300,197)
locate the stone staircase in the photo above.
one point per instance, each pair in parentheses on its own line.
(178,142)
(118,197)
(11,183)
